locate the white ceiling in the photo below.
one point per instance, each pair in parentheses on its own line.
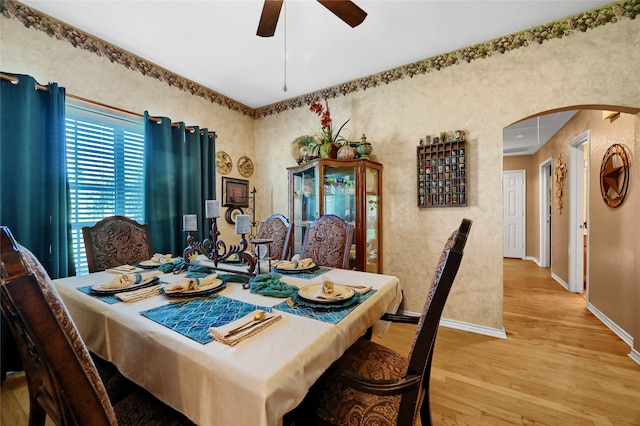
(527,136)
(214,42)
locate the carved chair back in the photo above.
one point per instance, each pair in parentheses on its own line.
(114,241)
(327,241)
(278,229)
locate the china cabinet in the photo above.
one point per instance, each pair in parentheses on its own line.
(350,189)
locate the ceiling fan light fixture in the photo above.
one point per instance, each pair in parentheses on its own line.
(346,10)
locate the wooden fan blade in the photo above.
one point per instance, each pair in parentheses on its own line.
(269,18)
(348,11)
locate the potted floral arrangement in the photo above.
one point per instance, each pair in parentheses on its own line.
(328,142)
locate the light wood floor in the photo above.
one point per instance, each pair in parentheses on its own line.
(558,366)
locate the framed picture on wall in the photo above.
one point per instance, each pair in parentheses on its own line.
(235,192)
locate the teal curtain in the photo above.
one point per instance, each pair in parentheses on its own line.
(179,177)
(34,196)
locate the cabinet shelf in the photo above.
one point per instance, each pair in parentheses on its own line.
(348,189)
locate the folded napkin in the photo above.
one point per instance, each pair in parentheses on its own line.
(221,333)
(296,263)
(168,267)
(162,258)
(136,295)
(195,271)
(188,284)
(125,280)
(328,291)
(124,269)
(271,285)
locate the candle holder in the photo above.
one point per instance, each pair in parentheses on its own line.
(216,250)
(259,242)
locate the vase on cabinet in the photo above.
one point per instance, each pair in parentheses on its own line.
(346,152)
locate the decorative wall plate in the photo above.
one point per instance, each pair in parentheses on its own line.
(245,166)
(231,214)
(614,175)
(223,163)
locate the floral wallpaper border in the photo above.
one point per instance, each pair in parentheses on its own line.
(583,21)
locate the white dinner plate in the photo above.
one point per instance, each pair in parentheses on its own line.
(210,288)
(310,293)
(313,267)
(102,288)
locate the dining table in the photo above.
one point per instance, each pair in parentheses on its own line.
(164,344)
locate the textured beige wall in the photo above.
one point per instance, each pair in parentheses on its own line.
(481,97)
(84,74)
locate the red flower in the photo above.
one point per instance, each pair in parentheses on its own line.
(325,120)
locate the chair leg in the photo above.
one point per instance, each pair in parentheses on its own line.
(425,410)
(37,415)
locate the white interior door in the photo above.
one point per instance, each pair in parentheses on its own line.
(513,198)
(576,213)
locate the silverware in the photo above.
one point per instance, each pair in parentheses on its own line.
(292,304)
(257,319)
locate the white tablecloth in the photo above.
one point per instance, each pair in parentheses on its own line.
(253,383)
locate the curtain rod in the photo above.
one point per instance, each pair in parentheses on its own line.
(15,80)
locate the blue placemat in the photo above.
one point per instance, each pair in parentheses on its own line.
(329,313)
(107,298)
(192,318)
(308,275)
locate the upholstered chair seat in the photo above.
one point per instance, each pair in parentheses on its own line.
(343,405)
(374,385)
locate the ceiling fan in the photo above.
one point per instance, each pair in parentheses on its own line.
(346,10)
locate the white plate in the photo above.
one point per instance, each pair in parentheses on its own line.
(214,284)
(310,293)
(313,266)
(100,288)
(154,263)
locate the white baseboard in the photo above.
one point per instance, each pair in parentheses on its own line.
(533,259)
(560,281)
(465,326)
(626,337)
(635,355)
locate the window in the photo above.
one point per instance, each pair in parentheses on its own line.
(105,151)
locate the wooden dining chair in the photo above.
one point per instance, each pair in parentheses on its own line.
(372,384)
(114,241)
(277,228)
(327,241)
(62,379)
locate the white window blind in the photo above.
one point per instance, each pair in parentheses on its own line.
(105,152)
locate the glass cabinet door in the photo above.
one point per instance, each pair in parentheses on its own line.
(305,204)
(371,225)
(339,198)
